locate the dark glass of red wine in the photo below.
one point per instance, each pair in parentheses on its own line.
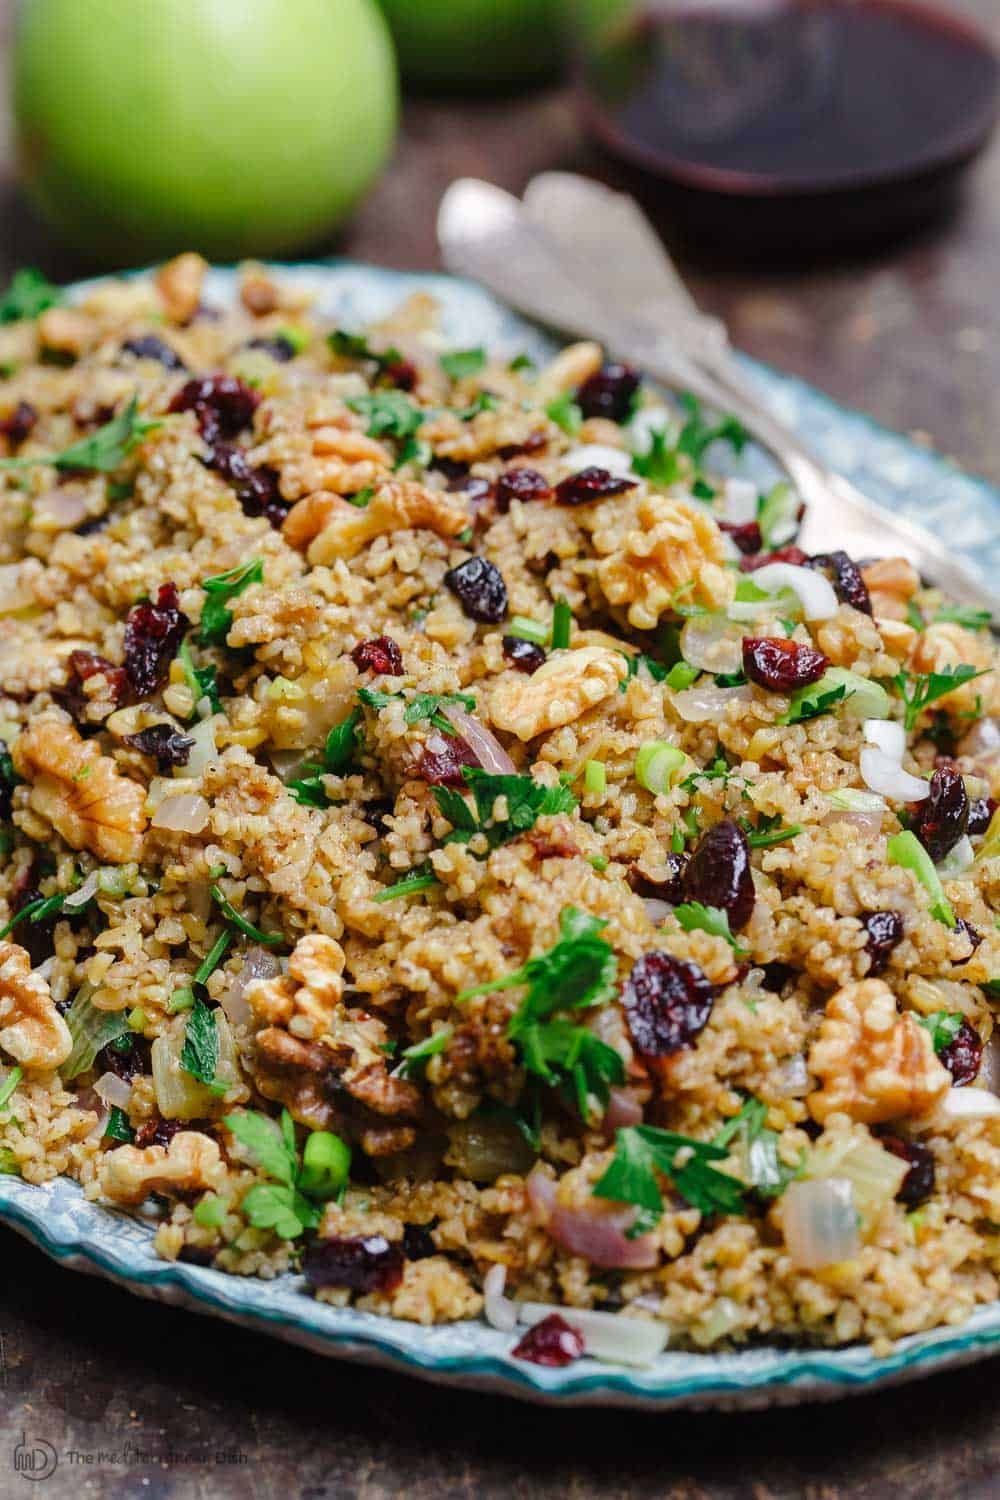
(789,123)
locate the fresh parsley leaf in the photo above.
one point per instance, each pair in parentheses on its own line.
(216,617)
(969,619)
(578,972)
(644,1151)
(719,770)
(200,681)
(768,831)
(287,1212)
(943,1026)
(356,346)
(694,917)
(281,1205)
(767,1174)
(28,295)
(342,744)
(918,691)
(810,702)
(118,1127)
(571,1058)
(410,885)
(9,1084)
(484,401)
(522,364)
(914,617)
(102,451)
(362,498)
(269,939)
(660,462)
(565,413)
(271,1149)
(389,413)
(429,706)
(526,803)
(413,1057)
(414,451)
(200,1053)
(461,363)
(697,435)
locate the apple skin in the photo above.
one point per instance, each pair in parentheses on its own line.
(467,42)
(233,127)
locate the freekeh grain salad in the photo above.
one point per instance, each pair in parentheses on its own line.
(458,849)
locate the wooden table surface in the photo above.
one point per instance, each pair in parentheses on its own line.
(912,334)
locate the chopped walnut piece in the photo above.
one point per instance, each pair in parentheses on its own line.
(80,791)
(31,1029)
(568,370)
(891,583)
(191,1163)
(258,293)
(874,1063)
(303,1000)
(570,683)
(331,457)
(950,645)
(398,506)
(179,284)
(67,330)
(897,636)
(658,552)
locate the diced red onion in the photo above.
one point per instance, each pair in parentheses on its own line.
(16,591)
(623,1109)
(83,893)
(886,776)
(185,813)
(115,1092)
(868,825)
(66,507)
(989,1067)
(707,705)
(597,1232)
(607,1336)
(258,964)
(821,1222)
(484,745)
(499,1310)
(793,1077)
(814,592)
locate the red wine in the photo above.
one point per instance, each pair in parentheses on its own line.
(792,96)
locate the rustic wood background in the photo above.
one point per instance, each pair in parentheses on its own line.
(912,334)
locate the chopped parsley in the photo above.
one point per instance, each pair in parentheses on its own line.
(484,401)
(694,917)
(642,1152)
(943,1027)
(660,462)
(565,413)
(412,1057)
(356,346)
(216,617)
(697,435)
(389,413)
(414,451)
(918,691)
(200,681)
(767,1174)
(768,831)
(664,463)
(28,295)
(282,1204)
(9,1084)
(522,364)
(102,451)
(200,1053)
(338,754)
(969,619)
(526,803)
(810,702)
(118,1127)
(461,363)
(410,885)
(428,706)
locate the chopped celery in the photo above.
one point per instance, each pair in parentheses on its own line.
(91,1029)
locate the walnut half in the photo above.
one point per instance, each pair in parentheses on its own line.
(398,506)
(190,1164)
(570,683)
(874,1063)
(31,1029)
(80,791)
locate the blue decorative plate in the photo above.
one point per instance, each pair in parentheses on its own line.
(107,1243)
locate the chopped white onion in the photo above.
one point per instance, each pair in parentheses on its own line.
(970,1104)
(957,860)
(820,1222)
(607,1336)
(656,909)
(186,813)
(712,644)
(793,1077)
(64,507)
(601,456)
(852,799)
(886,735)
(707,705)
(203,751)
(15,589)
(982,741)
(739,501)
(868,824)
(82,894)
(258,964)
(499,1310)
(115,1092)
(886,776)
(484,745)
(814,592)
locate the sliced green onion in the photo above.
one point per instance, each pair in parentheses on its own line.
(9,1084)
(9,1164)
(269,939)
(777,516)
(213,958)
(326,1163)
(210,1212)
(864,699)
(599,862)
(562,625)
(656,764)
(906,851)
(528,630)
(681,676)
(137,1019)
(595,778)
(410,885)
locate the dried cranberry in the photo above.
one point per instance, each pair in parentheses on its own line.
(533,443)
(37,938)
(591,484)
(963,1055)
(257,489)
(845,575)
(148,346)
(153,632)
(93,525)
(551,1342)
(981,810)
(520,484)
(82,666)
(609,393)
(746,535)
(791,554)
(160,1132)
(775,976)
(975,938)
(223,405)
(127,1058)
(277,346)
(196,1255)
(918,1184)
(780,665)
(719,873)
(402,373)
(365,1264)
(885,930)
(942,818)
(526,656)
(19,423)
(380,654)
(8,780)
(167,746)
(480,588)
(668,1002)
(441,760)
(418,1243)
(668,889)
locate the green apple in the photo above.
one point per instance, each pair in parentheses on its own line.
(233,127)
(476,41)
